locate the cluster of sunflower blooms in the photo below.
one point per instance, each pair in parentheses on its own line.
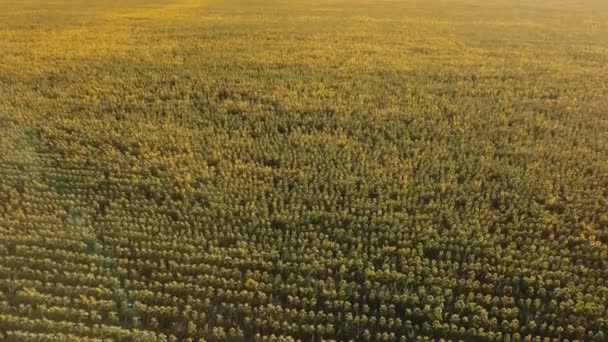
(315,172)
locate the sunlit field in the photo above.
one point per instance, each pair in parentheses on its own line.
(367,170)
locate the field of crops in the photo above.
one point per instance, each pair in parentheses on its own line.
(267,170)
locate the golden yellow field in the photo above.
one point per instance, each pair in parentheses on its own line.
(248,170)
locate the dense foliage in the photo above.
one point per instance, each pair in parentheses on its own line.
(269,170)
